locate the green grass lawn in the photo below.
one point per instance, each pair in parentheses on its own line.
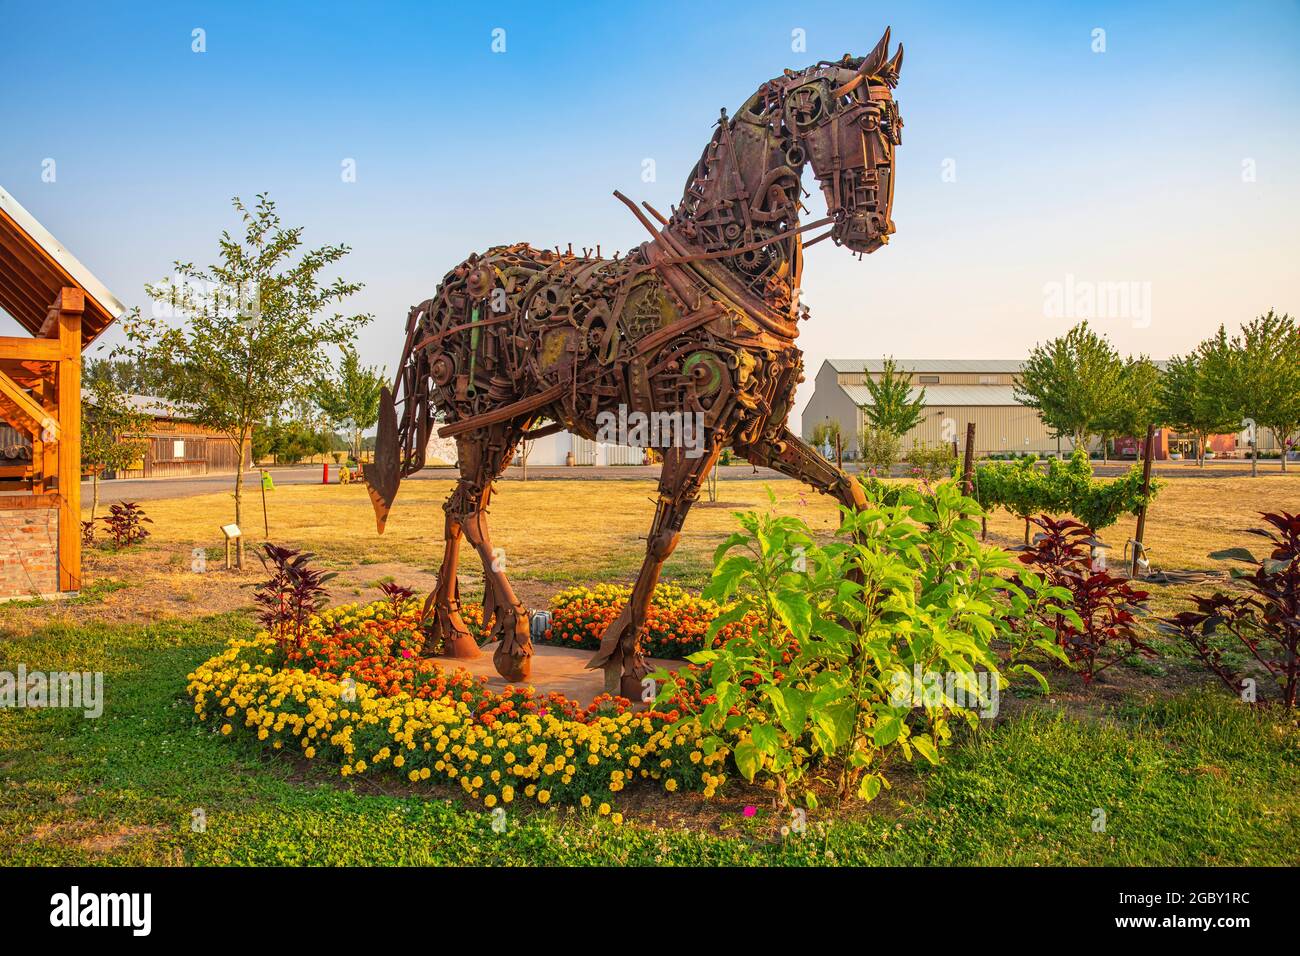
(1194,779)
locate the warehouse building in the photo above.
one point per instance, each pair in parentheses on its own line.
(958,391)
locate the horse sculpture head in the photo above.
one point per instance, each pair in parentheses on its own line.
(844,121)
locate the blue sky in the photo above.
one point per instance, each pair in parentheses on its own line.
(1168,160)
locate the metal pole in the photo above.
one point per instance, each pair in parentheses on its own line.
(1147,454)
(266,525)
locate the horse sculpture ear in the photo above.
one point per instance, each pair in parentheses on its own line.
(875,60)
(889,72)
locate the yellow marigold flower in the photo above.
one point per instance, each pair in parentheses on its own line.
(543,796)
(309,752)
(399,760)
(586,800)
(424,773)
(413,776)
(670,784)
(604,809)
(507,794)
(225,729)
(616,819)
(490,801)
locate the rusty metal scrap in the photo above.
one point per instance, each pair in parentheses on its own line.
(700,319)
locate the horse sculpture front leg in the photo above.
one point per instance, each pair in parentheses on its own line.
(620,654)
(792,456)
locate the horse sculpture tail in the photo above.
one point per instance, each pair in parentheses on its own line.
(400,444)
(382,475)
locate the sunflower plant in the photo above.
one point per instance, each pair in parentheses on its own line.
(865,648)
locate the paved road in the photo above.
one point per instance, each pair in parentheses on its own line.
(147,489)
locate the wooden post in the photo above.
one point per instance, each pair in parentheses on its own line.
(968,464)
(1148,450)
(70,304)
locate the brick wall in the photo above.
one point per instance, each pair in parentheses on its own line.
(29,551)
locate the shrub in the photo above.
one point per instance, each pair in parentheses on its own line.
(1064,487)
(1266,621)
(126,524)
(932,462)
(881,492)
(1099,627)
(879,449)
(293,593)
(830,679)
(676,624)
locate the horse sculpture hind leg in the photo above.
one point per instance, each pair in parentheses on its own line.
(620,646)
(482,457)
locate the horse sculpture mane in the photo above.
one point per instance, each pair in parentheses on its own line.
(695,325)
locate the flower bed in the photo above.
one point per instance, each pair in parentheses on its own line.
(379,645)
(352,693)
(676,624)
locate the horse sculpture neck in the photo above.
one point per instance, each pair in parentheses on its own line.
(743,195)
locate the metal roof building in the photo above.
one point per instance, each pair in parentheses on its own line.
(957,391)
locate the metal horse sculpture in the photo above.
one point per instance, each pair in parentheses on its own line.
(701,319)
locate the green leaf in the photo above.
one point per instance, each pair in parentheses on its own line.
(1233,554)
(748,760)
(836,723)
(887,729)
(795,612)
(925,747)
(766,739)
(869,787)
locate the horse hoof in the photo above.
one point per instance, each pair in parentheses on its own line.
(513,668)
(630,688)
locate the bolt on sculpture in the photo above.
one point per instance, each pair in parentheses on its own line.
(699,321)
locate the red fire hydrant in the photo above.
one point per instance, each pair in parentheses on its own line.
(325,474)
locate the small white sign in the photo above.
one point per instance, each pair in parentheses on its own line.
(231,530)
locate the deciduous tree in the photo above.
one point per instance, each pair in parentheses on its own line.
(891,410)
(1073,381)
(251,328)
(350,397)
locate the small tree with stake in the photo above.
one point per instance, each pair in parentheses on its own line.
(891,410)
(255,329)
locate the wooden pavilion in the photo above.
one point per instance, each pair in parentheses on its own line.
(63,308)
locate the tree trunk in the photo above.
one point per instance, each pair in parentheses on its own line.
(94,494)
(1281,442)
(239,503)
